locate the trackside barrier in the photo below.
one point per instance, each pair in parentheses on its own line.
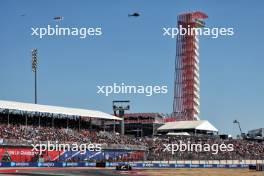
(113,164)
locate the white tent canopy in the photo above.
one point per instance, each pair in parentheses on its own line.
(12,105)
(178,134)
(203,125)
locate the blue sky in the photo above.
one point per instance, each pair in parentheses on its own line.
(133,51)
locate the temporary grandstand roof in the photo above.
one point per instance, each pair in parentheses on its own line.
(203,125)
(12,105)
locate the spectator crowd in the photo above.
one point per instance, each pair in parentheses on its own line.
(154,146)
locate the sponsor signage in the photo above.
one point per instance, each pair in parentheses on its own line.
(114,164)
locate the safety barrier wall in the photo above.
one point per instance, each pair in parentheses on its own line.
(209,162)
(113,164)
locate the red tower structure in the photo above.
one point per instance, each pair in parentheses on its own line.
(186,84)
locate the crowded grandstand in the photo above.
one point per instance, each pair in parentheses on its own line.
(20,129)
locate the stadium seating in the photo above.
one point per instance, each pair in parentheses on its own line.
(21,135)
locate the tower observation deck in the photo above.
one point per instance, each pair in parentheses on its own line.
(186,103)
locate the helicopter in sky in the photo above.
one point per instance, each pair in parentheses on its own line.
(134,14)
(58,18)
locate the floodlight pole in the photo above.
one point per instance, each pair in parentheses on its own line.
(34,69)
(36,87)
(34,65)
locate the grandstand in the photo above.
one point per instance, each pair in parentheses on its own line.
(36,114)
(24,124)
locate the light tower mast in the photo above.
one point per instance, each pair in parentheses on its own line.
(34,53)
